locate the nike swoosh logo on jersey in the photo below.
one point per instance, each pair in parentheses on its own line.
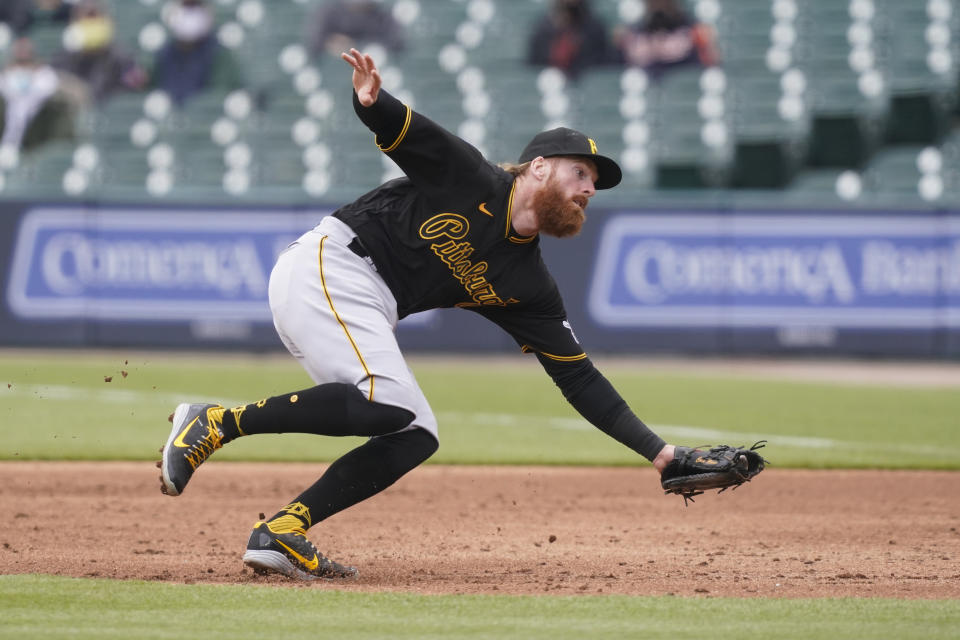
(483,209)
(179,441)
(309,564)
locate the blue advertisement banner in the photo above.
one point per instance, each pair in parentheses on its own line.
(776,270)
(702,281)
(151,265)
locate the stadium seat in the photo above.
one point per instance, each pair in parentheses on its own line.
(819,187)
(39,173)
(124,173)
(921,71)
(894,170)
(847,125)
(770,130)
(908,172)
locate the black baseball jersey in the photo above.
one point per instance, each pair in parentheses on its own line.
(442,237)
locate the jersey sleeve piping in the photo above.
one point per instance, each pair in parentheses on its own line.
(403,132)
(528,349)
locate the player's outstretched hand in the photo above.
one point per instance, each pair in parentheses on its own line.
(366,77)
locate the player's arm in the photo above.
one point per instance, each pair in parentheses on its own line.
(437,161)
(594,397)
(585,388)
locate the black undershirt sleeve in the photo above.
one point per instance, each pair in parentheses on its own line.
(592,395)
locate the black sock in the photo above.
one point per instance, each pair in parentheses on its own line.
(360,474)
(333,409)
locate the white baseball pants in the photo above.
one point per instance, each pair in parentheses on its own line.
(338,318)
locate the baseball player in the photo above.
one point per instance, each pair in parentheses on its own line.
(456,231)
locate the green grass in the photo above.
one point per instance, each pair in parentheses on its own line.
(501,411)
(58,405)
(49,607)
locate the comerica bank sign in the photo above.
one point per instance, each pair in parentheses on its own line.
(756,270)
(146,264)
(152,265)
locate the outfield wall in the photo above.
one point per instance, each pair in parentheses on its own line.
(681,280)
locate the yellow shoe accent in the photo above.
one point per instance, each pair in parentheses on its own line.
(215,415)
(179,441)
(286,524)
(310,565)
(289,553)
(300,510)
(200,450)
(237,415)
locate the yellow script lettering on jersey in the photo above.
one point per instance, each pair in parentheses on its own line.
(447,229)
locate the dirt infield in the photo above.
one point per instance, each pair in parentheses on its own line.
(507,530)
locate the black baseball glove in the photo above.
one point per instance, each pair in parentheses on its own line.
(693,471)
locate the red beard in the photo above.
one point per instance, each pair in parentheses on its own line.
(557,216)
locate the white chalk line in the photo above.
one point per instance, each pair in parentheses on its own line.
(111,396)
(695,435)
(682,434)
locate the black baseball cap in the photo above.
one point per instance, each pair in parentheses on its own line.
(567,142)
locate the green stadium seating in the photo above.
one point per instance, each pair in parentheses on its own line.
(833,126)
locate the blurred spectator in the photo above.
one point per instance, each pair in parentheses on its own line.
(666,37)
(193,60)
(570,38)
(21,15)
(16,14)
(338,25)
(34,110)
(91,54)
(51,11)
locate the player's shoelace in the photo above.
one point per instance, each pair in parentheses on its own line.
(200,450)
